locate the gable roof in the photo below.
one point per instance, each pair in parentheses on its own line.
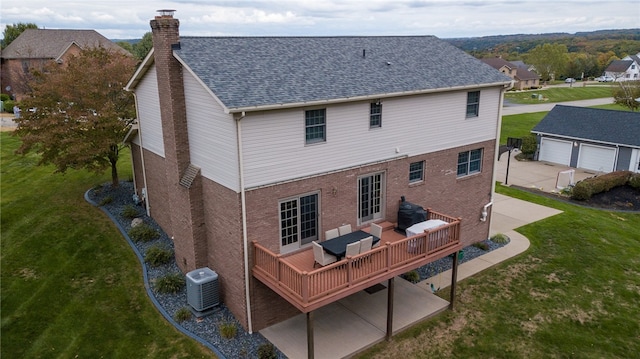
(51,43)
(497,62)
(583,123)
(521,72)
(250,72)
(619,65)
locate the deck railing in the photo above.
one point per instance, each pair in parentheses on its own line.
(303,288)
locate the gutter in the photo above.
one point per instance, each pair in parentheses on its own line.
(483,215)
(245,240)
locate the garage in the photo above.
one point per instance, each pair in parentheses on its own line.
(597,158)
(555,151)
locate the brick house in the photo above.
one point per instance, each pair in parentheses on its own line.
(266,142)
(33,49)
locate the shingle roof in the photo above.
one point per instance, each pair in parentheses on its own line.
(497,62)
(51,43)
(258,71)
(610,126)
(619,65)
(521,72)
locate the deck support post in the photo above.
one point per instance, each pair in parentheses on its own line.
(310,349)
(390,291)
(454,279)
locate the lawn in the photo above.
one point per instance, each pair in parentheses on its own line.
(575,293)
(559,94)
(71,287)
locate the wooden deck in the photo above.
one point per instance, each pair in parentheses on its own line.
(294,277)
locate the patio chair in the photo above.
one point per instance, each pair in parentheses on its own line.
(365,244)
(332,233)
(353,249)
(320,256)
(346,229)
(376,230)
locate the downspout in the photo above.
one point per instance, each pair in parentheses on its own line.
(483,217)
(245,240)
(144,167)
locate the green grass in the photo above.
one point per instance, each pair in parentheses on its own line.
(560,94)
(71,285)
(575,293)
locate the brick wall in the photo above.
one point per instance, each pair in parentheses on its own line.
(441,190)
(185,204)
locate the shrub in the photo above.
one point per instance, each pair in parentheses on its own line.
(106,200)
(8,105)
(586,188)
(143,233)
(267,351)
(634,180)
(481,245)
(157,256)
(182,314)
(228,329)
(500,238)
(529,146)
(412,276)
(170,283)
(129,212)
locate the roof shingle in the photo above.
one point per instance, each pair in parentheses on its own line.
(258,71)
(608,126)
(51,43)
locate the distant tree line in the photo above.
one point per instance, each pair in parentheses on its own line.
(557,55)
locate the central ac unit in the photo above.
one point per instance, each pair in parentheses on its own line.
(202,289)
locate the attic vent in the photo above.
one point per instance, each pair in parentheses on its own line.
(189,175)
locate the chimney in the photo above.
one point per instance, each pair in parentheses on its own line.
(184,201)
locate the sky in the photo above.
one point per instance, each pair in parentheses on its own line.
(129,19)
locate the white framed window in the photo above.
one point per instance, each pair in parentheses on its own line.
(298,221)
(469,162)
(416,172)
(473,103)
(315,126)
(370,197)
(375,115)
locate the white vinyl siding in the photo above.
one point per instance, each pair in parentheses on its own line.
(149,113)
(555,151)
(212,135)
(274,147)
(597,158)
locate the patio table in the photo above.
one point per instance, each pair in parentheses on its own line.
(338,245)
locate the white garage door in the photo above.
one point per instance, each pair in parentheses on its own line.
(596,158)
(555,151)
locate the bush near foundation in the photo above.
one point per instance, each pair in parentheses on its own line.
(586,188)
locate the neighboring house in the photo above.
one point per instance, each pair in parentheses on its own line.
(627,69)
(33,49)
(258,145)
(589,138)
(524,78)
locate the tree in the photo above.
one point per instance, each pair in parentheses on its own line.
(550,60)
(627,94)
(142,47)
(78,113)
(125,45)
(11,32)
